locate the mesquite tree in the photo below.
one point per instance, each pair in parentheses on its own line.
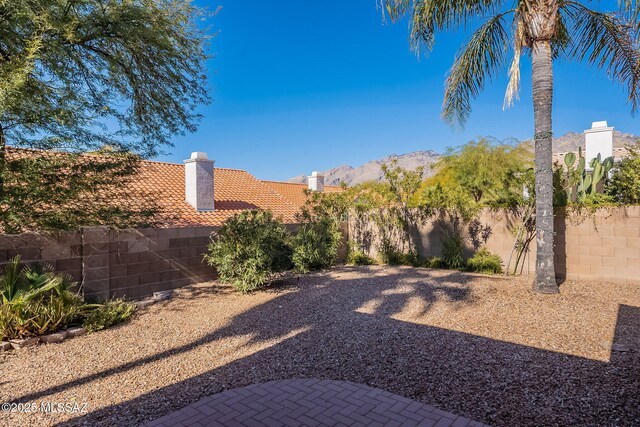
(546,30)
(82,75)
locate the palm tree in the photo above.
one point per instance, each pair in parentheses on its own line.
(546,30)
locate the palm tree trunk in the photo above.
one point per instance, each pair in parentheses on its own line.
(542,68)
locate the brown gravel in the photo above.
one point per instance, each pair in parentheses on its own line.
(482,347)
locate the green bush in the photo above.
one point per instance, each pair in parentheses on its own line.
(35,301)
(108,314)
(249,249)
(401,258)
(452,251)
(484,261)
(624,185)
(360,258)
(433,262)
(315,245)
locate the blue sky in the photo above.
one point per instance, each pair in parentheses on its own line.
(301,85)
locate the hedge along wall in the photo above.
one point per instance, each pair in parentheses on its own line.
(111,263)
(601,246)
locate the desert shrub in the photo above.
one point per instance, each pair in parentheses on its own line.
(388,252)
(624,184)
(360,258)
(401,258)
(249,249)
(484,261)
(35,301)
(315,245)
(452,251)
(433,262)
(109,314)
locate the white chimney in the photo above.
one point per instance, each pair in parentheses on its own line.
(598,140)
(315,182)
(198,182)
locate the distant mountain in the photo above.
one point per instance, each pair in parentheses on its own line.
(572,140)
(371,171)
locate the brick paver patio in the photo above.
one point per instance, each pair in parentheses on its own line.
(309,402)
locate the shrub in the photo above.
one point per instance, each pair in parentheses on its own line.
(108,314)
(452,251)
(249,249)
(401,258)
(315,245)
(433,262)
(484,261)
(35,301)
(388,252)
(360,258)
(624,185)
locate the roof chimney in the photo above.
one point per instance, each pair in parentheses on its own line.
(198,182)
(598,140)
(315,182)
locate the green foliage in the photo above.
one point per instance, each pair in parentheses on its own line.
(86,75)
(68,68)
(489,172)
(452,251)
(398,219)
(108,314)
(434,262)
(315,245)
(53,191)
(624,185)
(35,302)
(484,261)
(401,258)
(360,258)
(250,249)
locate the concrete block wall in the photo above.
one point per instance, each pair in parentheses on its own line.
(145,261)
(112,264)
(603,246)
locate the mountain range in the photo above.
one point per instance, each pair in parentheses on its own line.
(371,170)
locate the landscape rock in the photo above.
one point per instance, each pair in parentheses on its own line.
(162,295)
(53,338)
(144,303)
(5,346)
(27,342)
(76,332)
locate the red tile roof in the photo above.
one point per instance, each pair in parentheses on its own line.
(234,191)
(295,192)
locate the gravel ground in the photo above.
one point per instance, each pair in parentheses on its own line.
(482,347)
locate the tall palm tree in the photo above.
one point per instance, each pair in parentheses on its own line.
(546,30)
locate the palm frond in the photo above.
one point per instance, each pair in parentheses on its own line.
(481,58)
(429,16)
(513,88)
(631,10)
(609,42)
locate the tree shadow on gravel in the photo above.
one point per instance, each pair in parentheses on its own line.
(495,382)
